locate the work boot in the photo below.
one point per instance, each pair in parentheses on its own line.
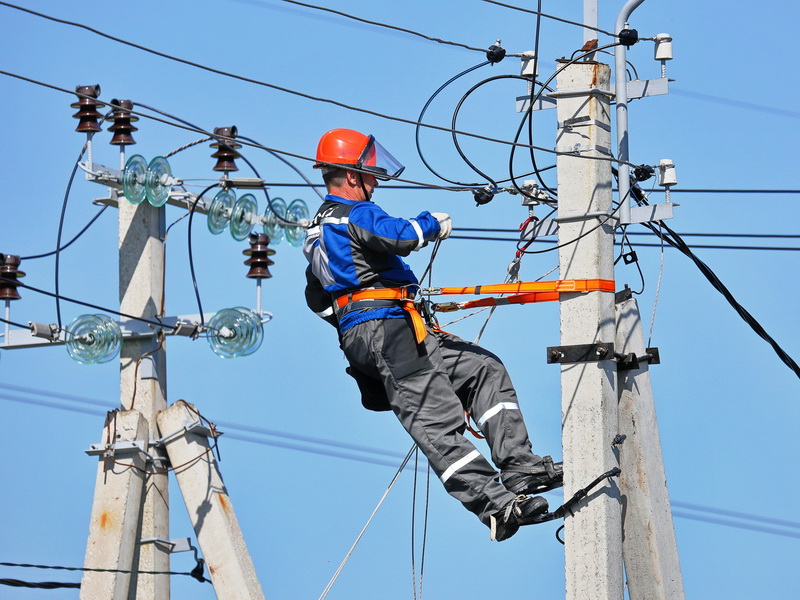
(534,479)
(522,510)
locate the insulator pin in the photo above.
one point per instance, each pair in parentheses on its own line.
(87,104)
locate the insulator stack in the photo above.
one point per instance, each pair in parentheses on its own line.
(259,253)
(87,104)
(226,152)
(9,271)
(122,119)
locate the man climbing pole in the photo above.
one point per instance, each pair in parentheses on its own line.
(427,377)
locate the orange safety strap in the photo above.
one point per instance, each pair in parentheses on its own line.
(499,301)
(401,294)
(560,286)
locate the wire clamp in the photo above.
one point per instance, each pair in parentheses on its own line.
(630,362)
(112,450)
(578,149)
(584,121)
(580,353)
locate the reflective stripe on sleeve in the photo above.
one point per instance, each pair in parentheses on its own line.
(325,313)
(418,231)
(496,409)
(458,464)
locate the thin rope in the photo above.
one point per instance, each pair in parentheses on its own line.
(360,535)
(658,289)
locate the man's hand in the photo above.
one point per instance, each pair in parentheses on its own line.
(445,225)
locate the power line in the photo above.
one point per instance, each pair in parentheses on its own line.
(554,18)
(636,244)
(367,450)
(248,79)
(393,27)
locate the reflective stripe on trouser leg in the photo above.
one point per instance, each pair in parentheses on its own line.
(422,398)
(484,386)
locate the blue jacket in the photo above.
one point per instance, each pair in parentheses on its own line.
(355,244)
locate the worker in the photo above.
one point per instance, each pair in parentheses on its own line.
(358,282)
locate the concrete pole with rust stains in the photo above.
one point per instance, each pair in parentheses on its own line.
(209,506)
(114,524)
(143,378)
(593,540)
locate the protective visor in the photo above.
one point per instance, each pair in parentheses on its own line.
(378,161)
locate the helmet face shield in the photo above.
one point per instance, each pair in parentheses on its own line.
(378,161)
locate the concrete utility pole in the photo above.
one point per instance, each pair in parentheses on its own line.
(209,506)
(142,392)
(143,371)
(649,547)
(593,550)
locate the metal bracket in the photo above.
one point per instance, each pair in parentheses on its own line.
(580,353)
(630,362)
(173,546)
(577,149)
(639,88)
(195,427)
(109,450)
(584,121)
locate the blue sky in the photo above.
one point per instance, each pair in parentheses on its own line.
(307,478)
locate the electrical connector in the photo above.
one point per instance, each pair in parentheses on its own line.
(496,53)
(484,195)
(628,37)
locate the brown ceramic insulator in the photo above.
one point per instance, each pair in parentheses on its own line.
(227,149)
(122,127)
(87,114)
(259,253)
(9,270)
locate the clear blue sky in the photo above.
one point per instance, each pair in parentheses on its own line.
(728,407)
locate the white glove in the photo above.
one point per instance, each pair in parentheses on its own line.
(445,225)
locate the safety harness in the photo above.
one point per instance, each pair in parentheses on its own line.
(522,292)
(404,297)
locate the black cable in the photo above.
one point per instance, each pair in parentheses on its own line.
(458,109)
(217,72)
(395,28)
(191,255)
(287,163)
(61,228)
(264,433)
(545,15)
(42,585)
(622,243)
(675,240)
(422,113)
(90,570)
(15,324)
(529,115)
(637,244)
(79,302)
(69,243)
(310,159)
(532,100)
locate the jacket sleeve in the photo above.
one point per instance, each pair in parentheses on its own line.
(374,228)
(318,300)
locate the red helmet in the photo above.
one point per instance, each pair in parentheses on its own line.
(349,148)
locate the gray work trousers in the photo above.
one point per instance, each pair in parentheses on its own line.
(429,386)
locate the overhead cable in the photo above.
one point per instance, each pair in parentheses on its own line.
(378,24)
(554,18)
(366,450)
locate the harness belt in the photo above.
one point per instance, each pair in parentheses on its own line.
(401,297)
